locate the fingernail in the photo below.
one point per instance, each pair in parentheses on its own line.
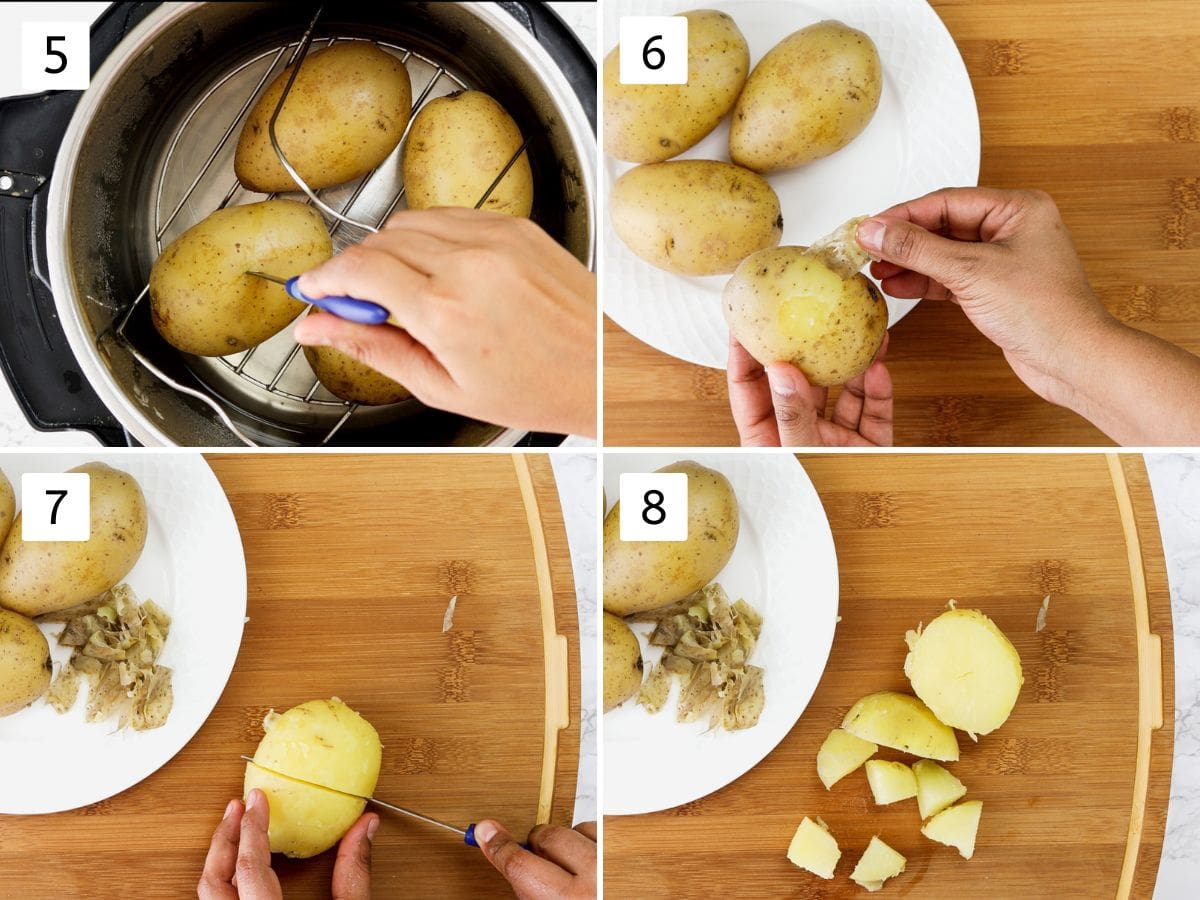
(372,827)
(870,235)
(252,799)
(229,808)
(781,383)
(484,832)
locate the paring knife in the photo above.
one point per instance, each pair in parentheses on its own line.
(364,312)
(468,834)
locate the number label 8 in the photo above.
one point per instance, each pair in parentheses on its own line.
(654,506)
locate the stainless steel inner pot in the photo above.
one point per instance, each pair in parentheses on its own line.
(149,152)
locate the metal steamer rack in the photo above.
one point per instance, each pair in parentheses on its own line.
(267,368)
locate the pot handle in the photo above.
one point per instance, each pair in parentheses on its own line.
(572,56)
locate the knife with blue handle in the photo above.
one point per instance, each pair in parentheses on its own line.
(364,312)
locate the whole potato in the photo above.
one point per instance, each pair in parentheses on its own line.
(695,216)
(345,113)
(8,506)
(644,575)
(24,662)
(324,742)
(647,123)
(201,299)
(622,662)
(784,305)
(811,95)
(457,147)
(45,576)
(347,378)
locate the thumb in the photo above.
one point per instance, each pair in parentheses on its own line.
(798,406)
(352,868)
(952,263)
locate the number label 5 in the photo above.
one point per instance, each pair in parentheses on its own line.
(654,506)
(654,50)
(56,506)
(55,56)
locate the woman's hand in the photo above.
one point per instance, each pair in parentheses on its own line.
(561,864)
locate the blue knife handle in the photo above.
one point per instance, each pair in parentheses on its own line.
(364,312)
(469,837)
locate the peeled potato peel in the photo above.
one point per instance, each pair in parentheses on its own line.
(840,251)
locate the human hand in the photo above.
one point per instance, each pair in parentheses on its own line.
(497,321)
(561,862)
(777,407)
(238,865)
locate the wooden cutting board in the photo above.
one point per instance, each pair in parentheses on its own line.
(1059,781)
(1096,102)
(352,561)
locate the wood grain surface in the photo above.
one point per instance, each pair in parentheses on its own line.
(1096,102)
(351,563)
(996,533)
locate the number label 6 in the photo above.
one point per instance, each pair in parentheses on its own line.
(654,50)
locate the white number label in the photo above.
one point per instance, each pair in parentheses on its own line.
(55,56)
(654,506)
(56,506)
(654,50)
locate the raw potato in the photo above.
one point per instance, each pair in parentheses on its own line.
(24,662)
(644,575)
(965,670)
(324,742)
(201,299)
(345,377)
(879,863)
(345,113)
(45,576)
(646,123)
(695,216)
(8,506)
(936,788)
(814,848)
(458,145)
(622,662)
(841,754)
(811,95)
(956,827)
(891,782)
(901,722)
(785,305)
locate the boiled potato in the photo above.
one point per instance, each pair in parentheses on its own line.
(326,743)
(644,575)
(646,123)
(891,782)
(879,863)
(901,722)
(956,827)
(841,754)
(695,216)
(965,670)
(24,662)
(622,662)
(785,305)
(811,95)
(345,377)
(458,145)
(936,787)
(813,848)
(8,506)
(345,113)
(201,299)
(46,576)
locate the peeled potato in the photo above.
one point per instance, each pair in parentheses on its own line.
(841,754)
(879,863)
(965,670)
(903,723)
(956,827)
(347,378)
(326,743)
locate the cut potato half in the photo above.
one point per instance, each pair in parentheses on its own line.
(936,788)
(879,863)
(956,827)
(840,755)
(890,782)
(902,722)
(965,670)
(813,848)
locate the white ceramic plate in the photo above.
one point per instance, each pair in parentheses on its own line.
(924,136)
(194,568)
(785,566)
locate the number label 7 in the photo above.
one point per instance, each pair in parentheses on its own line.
(56,506)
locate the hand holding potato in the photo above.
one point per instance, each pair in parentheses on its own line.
(560,864)
(499,321)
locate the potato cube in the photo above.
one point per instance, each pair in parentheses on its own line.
(890,781)
(840,755)
(936,788)
(814,848)
(956,827)
(879,863)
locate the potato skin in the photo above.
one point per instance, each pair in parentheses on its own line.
(201,299)
(8,506)
(324,742)
(457,146)
(644,575)
(46,576)
(785,306)
(811,95)
(695,216)
(24,662)
(622,662)
(345,113)
(648,123)
(347,378)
